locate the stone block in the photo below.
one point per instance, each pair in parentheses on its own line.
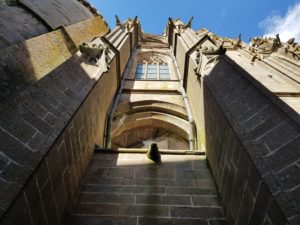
(14,173)
(193,174)
(37,122)
(163,200)
(284,156)
(19,128)
(111,173)
(210,200)
(50,205)
(123,189)
(42,174)
(34,201)
(96,209)
(59,14)
(102,220)
(171,221)
(284,133)
(289,177)
(197,212)
(190,191)
(8,192)
(106,198)
(246,207)
(275,214)
(53,162)
(260,206)
(144,210)
(19,213)
(217,222)
(154,173)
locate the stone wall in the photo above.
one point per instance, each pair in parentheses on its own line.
(27,62)
(23,19)
(15,29)
(49,192)
(250,135)
(52,124)
(253,149)
(60,112)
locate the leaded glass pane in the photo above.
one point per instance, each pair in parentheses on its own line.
(164,73)
(140,71)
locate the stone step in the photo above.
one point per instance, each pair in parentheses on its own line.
(203,183)
(203,212)
(147,190)
(112,220)
(147,173)
(130,189)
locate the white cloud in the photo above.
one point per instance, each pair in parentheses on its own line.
(287,26)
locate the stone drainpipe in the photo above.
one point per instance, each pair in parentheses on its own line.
(192,138)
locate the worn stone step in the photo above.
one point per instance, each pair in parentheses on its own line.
(163,199)
(197,212)
(201,183)
(147,190)
(129,189)
(178,221)
(148,173)
(120,210)
(113,220)
(106,198)
(101,220)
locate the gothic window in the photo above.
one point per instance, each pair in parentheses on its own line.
(140,71)
(154,71)
(164,73)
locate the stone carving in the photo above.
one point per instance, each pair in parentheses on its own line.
(128,24)
(206,59)
(262,47)
(189,23)
(118,22)
(229,43)
(292,48)
(96,54)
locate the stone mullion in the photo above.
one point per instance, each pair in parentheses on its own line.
(146,71)
(158,78)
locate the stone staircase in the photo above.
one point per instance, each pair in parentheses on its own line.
(129,189)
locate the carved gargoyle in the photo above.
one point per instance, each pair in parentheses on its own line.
(96,54)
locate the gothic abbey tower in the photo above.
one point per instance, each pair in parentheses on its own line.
(81,103)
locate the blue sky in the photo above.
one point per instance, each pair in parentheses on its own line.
(223,17)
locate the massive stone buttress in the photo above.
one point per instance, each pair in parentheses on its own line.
(245,101)
(55,96)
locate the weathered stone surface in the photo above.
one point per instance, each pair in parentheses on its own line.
(59,13)
(15,29)
(152,193)
(61,133)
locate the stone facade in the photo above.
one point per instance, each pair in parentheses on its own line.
(247,117)
(53,108)
(68,83)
